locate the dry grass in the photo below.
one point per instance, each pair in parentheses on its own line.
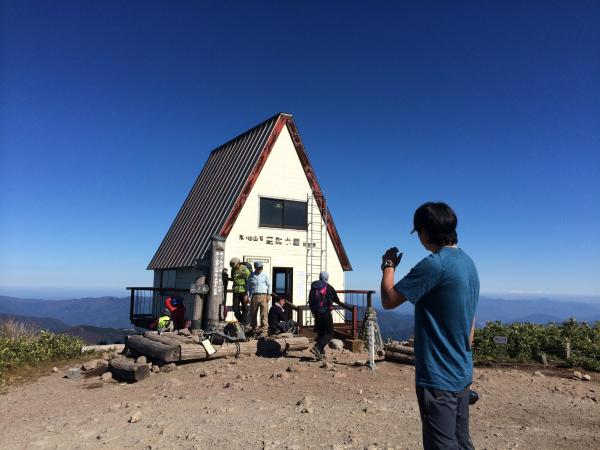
(14,330)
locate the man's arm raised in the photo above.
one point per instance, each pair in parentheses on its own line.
(390,298)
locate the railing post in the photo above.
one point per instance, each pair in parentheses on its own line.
(369,299)
(131,305)
(354,322)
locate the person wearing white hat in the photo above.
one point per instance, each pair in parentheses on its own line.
(259,292)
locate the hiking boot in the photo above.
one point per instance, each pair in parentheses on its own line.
(318,353)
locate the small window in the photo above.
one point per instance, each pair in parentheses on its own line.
(282,214)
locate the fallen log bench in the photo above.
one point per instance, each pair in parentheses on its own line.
(399,353)
(167,348)
(123,369)
(398,348)
(399,358)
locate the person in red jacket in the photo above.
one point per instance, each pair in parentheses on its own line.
(177,310)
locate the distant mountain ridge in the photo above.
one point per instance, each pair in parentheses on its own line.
(107,312)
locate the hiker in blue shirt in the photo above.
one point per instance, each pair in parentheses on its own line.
(258,290)
(444,287)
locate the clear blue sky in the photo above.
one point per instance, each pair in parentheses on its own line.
(108,111)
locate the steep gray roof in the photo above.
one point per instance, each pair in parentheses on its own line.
(212,198)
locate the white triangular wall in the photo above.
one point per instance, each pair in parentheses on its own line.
(282,177)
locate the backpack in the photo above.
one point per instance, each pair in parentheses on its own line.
(317,299)
(235,330)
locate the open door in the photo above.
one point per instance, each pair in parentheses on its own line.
(283,286)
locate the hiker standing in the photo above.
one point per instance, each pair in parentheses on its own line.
(321,298)
(239,277)
(259,291)
(444,287)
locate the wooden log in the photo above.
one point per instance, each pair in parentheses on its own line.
(397,348)
(295,344)
(185,339)
(163,338)
(399,357)
(153,349)
(197,352)
(123,369)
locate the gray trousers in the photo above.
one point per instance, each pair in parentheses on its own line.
(445,419)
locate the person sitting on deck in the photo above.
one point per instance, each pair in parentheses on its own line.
(163,322)
(177,310)
(278,319)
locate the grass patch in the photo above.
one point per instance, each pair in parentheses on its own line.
(21,345)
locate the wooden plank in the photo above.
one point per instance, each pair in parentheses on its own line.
(153,349)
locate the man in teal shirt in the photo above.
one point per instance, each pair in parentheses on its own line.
(444,287)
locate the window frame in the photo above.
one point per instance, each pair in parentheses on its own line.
(283,227)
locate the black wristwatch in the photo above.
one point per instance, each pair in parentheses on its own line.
(387,263)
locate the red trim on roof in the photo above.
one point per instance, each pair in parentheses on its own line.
(285,119)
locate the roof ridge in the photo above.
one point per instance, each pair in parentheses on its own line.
(273,117)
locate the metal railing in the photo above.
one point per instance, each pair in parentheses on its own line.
(146,303)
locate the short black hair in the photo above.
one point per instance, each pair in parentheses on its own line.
(439,222)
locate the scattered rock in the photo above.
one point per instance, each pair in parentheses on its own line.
(105,356)
(73,373)
(586,377)
(306,410)
(141,360)
(135,417)
(282,375)
(155,369)
(336,344)
(107,376)
(296,368)
(173,382)
(304,401)
(55,370)
(360,362)
(203,374)
(326,365)
(577,375)
(168,368)
(228,385)
(537,373)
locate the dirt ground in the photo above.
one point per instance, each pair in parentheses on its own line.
(291,402)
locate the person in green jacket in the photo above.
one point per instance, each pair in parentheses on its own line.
(164,322)
(239,277)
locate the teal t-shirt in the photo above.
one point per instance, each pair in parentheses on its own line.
(444,287)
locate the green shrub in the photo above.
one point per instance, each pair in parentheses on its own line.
(528,342)
(21,346)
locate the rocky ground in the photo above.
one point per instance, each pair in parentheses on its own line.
(291,402)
